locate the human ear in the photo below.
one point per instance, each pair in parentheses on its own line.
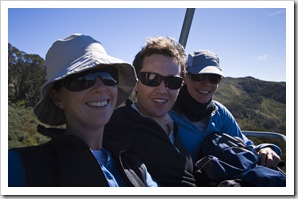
(57,98)
(137,87)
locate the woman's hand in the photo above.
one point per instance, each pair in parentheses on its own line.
(268,158)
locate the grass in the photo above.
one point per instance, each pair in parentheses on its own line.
(22,125)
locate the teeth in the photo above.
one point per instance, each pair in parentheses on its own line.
(161,101)
(205,92)
(97,104)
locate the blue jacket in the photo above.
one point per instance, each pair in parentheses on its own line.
(221,121)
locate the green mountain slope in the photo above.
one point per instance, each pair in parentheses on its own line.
(257,105)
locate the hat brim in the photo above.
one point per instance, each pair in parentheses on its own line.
(205,70)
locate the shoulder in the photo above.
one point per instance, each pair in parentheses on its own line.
(222,115)
(16,172)
(25,162)
(32,156)
(116,142)
(222,109)
(23,151)
(125,116)
(119,120)
(13,156)
(219,105)
(122,111)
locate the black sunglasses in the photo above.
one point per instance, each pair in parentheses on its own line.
(85,80)
(154,79)
(212,78)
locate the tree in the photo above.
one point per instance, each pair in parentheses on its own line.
(26,75)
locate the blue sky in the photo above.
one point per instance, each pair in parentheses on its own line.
(248,41)
(252,38)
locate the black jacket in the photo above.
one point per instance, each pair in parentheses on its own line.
(166,165)
(66,161)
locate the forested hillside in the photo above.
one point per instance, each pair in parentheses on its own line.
(256,104)
(26,73)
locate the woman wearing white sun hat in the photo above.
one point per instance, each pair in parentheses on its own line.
(84,86)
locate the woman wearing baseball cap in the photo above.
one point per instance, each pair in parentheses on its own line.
(198,115)
(84,86)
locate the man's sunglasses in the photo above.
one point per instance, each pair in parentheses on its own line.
(154,79)
(212,78)
(85,80)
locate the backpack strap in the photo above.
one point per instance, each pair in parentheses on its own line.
(134,169)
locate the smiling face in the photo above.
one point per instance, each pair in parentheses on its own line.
(155,102)
(201,91)
(88,109)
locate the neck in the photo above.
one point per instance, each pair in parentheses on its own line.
(93,138)
(164,126)
(159,120)
(193,110)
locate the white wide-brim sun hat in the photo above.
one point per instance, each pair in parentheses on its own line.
(73,55)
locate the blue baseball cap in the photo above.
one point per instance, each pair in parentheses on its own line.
(203,62)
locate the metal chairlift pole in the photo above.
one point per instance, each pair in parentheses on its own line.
(186,26)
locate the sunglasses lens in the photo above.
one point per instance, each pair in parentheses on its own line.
(197,77)
(173,82)
(77,83)
(153,80)
(150,79)
(84,81)
(107,79)
(212,78)
(109,76)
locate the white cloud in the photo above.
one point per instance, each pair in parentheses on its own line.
(277,12)
(262,57)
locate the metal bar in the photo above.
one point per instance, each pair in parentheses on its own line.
(265,134)
(186,26)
